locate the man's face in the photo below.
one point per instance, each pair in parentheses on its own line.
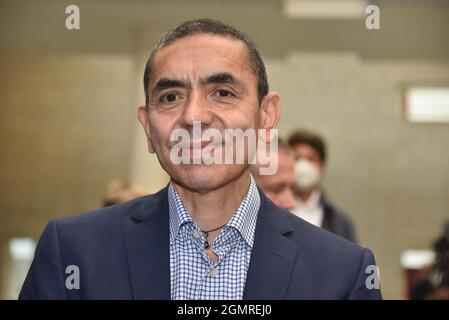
(204,78)
(279,186)
(305,151)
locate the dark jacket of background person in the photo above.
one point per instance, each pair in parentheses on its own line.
(336,220)
(435,283)
(122,252)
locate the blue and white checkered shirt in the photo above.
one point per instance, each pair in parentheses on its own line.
(193,275)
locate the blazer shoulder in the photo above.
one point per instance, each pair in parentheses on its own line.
(327,264)
(314,239)
(107,215)
(112,218)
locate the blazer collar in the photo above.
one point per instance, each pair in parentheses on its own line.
(273,256)
(148,252)
(147,249)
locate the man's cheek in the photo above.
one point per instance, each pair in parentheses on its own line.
(154,142)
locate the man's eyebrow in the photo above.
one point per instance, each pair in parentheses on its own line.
(166,83)
(222,77)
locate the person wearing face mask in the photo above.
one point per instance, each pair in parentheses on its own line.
(312,204)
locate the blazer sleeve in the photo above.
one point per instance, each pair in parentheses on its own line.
(367,284)
(45,278)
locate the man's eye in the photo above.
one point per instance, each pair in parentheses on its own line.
(168,98)
(223,93)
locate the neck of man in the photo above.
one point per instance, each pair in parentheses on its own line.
(306,194)
(213,209)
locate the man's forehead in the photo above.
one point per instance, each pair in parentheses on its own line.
(305,149)
(285,158)
(208,42)
(201,76)
(199,56)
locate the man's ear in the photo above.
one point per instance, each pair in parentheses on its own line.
(270,113)
(142,116)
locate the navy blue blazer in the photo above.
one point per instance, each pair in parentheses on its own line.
(122,252)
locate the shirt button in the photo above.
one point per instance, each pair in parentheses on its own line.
(213,272)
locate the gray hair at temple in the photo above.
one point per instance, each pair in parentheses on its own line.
(209,26)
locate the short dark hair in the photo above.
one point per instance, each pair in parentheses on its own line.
(310,138)
(214,27)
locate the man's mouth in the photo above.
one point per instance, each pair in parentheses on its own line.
(196,145)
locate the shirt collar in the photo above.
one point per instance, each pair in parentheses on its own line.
(312,202)
(178,214)
(243,220)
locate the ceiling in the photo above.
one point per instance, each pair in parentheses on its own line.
(409,29)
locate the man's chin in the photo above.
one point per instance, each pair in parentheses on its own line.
(202,178)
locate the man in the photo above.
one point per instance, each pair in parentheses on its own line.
(312,205)
(210,234)
(278,187)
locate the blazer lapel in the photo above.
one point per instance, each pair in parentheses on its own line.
(273,255)
(147,248)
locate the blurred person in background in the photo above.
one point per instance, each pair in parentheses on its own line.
(312,204)
(435,283)
(118,191)
(278,187)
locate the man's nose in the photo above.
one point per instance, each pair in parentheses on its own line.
(288,200)
(196,109)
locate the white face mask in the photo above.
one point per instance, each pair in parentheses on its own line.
(308,175)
